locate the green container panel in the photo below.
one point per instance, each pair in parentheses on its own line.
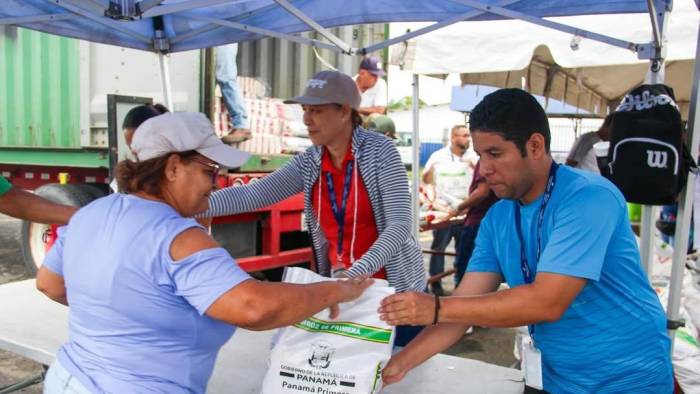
(39,90)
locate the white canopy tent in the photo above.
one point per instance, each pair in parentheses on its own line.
(541,60)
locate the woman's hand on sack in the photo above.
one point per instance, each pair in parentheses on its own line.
(395,370)
(410,308)
(354,287)
(334,311)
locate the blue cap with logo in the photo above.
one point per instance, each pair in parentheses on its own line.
(373,65)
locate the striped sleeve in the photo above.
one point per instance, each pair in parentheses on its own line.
(274,187)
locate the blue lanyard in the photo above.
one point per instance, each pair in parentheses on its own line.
(339,214)
(528,276)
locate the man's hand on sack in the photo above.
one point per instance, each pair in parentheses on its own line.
(351,288)
(410,308)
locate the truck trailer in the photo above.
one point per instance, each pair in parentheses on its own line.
(60,128)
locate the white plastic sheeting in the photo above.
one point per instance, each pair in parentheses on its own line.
(519,54)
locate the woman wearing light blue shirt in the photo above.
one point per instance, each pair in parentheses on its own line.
(152,296)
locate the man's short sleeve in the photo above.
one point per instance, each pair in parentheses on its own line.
(484,258)
(380,99)
(54,259)
(575,152)
(430,163)
(582,147)
(203,277)
(582,232)
(5,185)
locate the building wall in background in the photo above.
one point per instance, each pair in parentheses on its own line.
(286,66)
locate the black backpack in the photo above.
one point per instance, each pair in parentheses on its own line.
(648,160)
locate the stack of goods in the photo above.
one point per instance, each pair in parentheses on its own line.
(275,127)
(267,124)
(432,210)
(296,137)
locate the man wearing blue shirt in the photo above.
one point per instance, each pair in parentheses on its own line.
(562,241)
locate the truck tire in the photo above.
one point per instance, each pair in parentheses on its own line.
(94,190)
(33,236)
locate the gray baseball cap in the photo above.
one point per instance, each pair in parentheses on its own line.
(329,87)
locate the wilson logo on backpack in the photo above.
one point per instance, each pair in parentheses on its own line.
(645,101)
(657,159)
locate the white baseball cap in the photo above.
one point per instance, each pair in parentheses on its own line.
(181,132)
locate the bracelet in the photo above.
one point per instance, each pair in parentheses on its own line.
(437,309)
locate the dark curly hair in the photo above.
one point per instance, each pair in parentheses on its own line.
(512,113)
(142,113)
(146,176)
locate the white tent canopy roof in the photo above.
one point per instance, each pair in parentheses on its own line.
(519,54)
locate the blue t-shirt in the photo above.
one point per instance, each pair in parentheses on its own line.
(612,338)
(136,320)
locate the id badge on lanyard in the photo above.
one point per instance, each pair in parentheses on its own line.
(532,366)
(532,357)
(339,212)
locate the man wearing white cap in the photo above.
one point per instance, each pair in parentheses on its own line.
(152,295)
(356,200)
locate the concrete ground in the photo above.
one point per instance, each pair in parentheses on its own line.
(12,367)
(489,345)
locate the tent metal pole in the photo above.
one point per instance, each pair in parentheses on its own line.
(345,48)
(36,18)
(164,9)
(194,32)
(656,31)
(415,166)
(163,61)
(684,207)
(654,76)
(269,33)
(646,238)
(148,4)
